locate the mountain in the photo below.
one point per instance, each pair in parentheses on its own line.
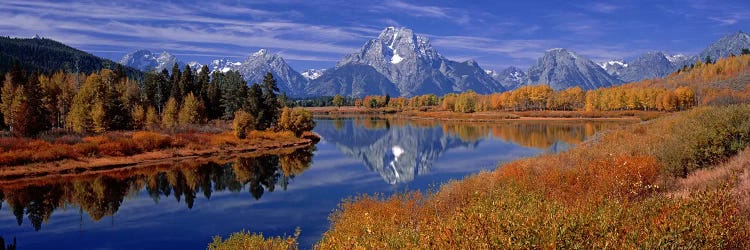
(312,74)
(224,65)
(678,59)
(563,69)
(144,60)
(647,66)
(614,67)
(725,46)
(352,80)
(47,55)
(409,62)
(255,67)
(510,78)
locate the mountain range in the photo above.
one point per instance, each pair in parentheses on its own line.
(399,62)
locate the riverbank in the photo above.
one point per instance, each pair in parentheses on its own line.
(24,158)
(486,116)
(678,181)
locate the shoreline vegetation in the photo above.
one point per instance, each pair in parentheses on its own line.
(69,154)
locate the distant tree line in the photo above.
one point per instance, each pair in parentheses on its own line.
(322,101)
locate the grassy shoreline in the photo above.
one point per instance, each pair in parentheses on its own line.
(678,181)
(26,158)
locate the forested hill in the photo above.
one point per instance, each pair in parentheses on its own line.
(47,56)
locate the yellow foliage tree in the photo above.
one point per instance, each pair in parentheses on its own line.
(191,111)
(243,121)
(169,117)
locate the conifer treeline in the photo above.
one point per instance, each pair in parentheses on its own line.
(108,100)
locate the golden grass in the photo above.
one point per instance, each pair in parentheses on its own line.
(246,240)
(610,193)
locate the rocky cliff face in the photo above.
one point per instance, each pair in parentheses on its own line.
(561,69)
(725,46)
(646,66)
(510,78)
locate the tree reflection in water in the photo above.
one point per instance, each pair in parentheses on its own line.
(101,195)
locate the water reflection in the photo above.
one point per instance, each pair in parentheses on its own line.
(400,149)
(102,194)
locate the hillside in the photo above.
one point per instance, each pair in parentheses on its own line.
(46,56)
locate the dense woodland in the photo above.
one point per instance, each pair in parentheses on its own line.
(48,56)
(107,100)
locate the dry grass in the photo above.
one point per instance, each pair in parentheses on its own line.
(610,193)
(246,240)
(734,174)
(20,151)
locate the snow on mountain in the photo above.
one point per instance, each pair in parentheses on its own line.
(561,69)
(677,58)
(648,65)
(510,78)
(414,66)
(224,65)
(144,60)
(312,74)
(255,67)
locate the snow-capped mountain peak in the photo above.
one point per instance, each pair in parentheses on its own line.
(410,63)
(611,63)
(312,74)
(676,58)
(224,65)
(260,53)
(144,60)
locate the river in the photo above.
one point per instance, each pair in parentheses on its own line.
(181,206)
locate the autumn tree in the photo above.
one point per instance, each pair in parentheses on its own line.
(169,116)
(139,117)
(152,118)
(466,102)
(191,111)
(296,120)
(242,123)
(338,100)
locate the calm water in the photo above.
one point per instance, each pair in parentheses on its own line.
(182,206)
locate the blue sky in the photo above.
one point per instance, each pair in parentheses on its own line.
(316,34)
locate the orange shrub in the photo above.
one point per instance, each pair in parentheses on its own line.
(149,141)
(119,147)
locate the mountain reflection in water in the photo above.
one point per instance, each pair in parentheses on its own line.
(401,149)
